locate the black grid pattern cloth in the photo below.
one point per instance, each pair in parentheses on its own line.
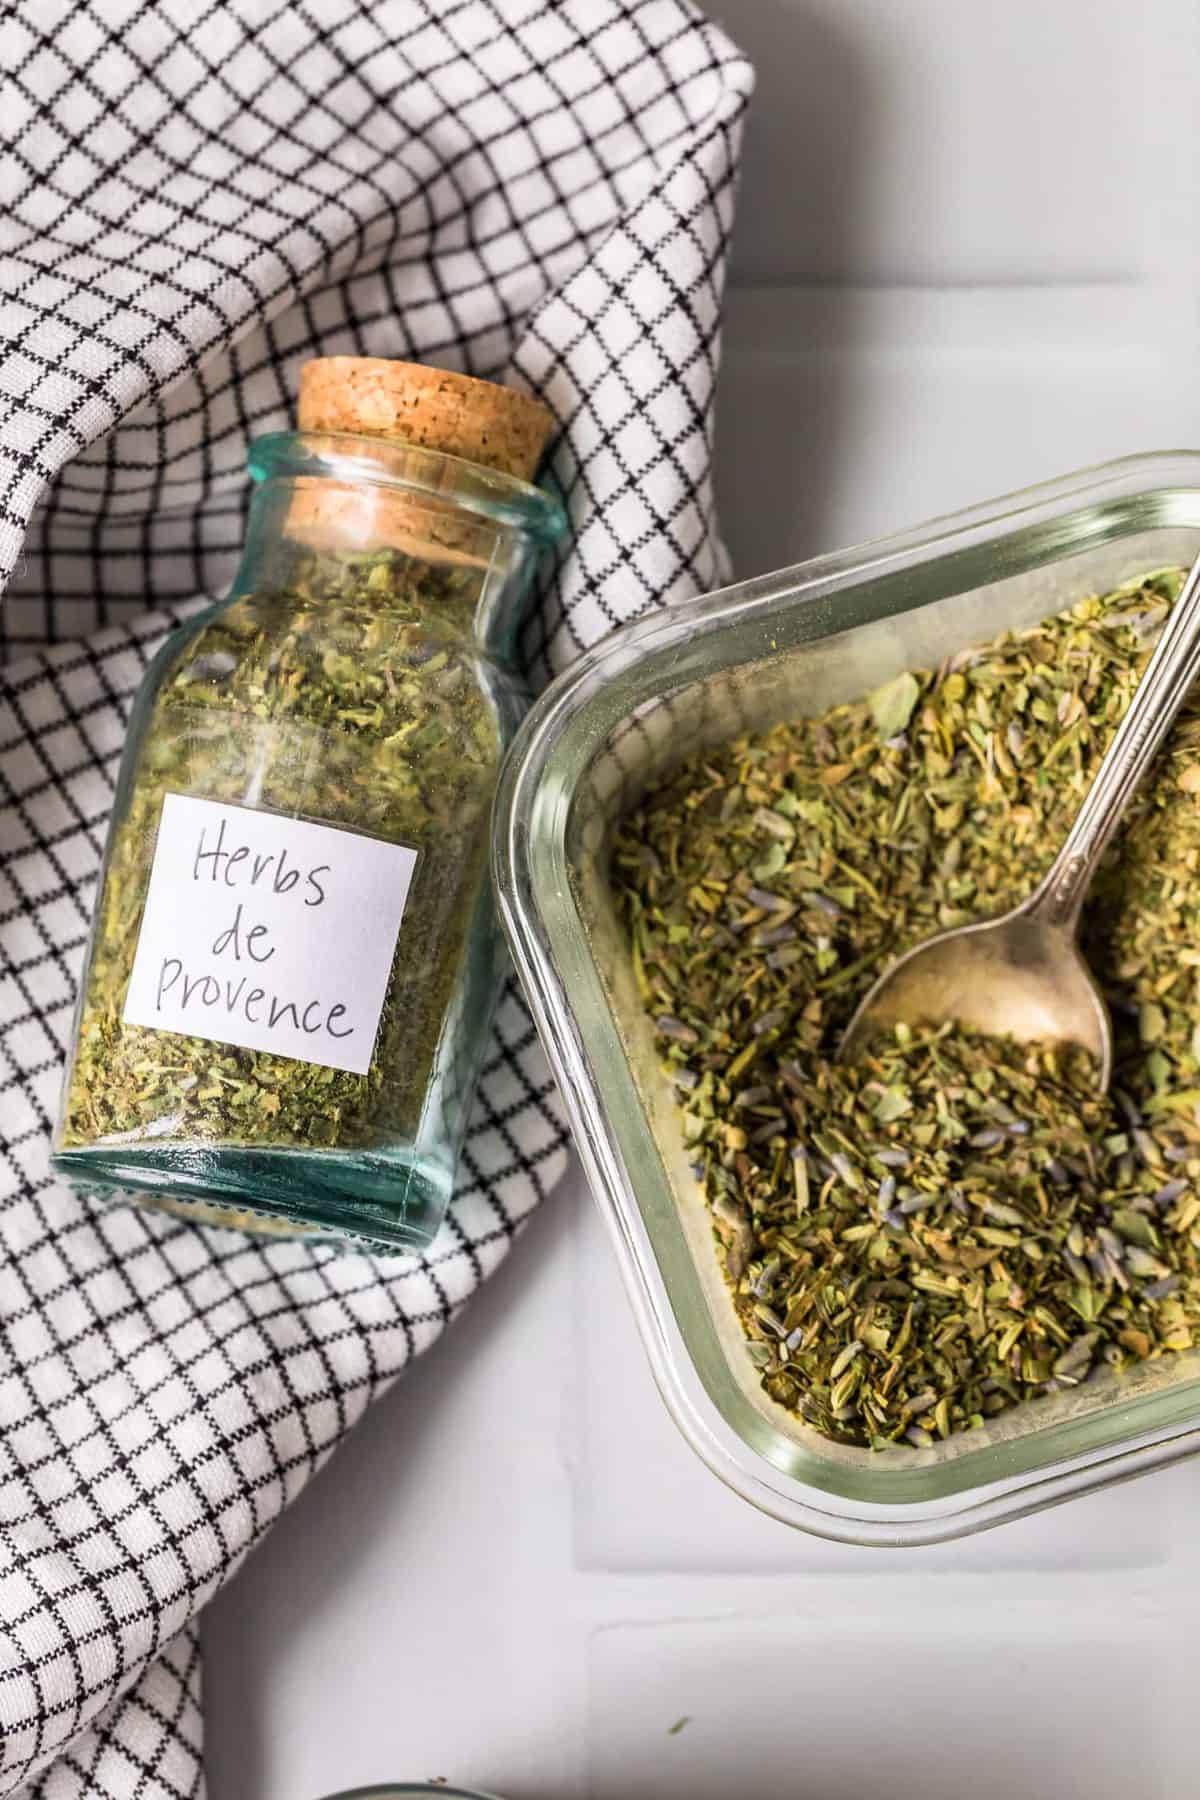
(193,200)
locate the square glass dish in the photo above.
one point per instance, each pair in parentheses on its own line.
(778,647)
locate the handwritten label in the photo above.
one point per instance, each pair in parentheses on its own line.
(270,933)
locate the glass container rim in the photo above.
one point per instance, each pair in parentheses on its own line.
(357,459)
(399,1790)
(645,658)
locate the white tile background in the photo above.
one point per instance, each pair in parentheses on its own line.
(969,257)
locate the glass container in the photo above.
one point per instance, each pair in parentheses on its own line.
(408,1788)
(777,647)
(294,957)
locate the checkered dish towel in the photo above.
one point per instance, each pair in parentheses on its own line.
(193,201)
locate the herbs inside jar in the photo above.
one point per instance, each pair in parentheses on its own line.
(271,703)
(954,1225)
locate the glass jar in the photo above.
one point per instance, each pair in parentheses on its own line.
(616,725)
(294,959)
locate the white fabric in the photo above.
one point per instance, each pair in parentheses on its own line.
(193,201)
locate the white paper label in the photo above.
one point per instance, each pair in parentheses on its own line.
(271,933)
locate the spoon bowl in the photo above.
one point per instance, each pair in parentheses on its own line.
(1011,977)
(1022,975)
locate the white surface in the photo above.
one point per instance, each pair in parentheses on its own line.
(796,1694)
(956,141)
(516,1573)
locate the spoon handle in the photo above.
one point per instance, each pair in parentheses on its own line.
(1157,698)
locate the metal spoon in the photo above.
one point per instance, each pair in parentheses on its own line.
(1021,975)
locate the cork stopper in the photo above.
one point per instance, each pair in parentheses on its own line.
(434,408)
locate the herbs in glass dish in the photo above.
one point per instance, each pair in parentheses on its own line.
(953,1225)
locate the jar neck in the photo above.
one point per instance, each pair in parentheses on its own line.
(340,518)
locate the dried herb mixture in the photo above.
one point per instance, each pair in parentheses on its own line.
(956,1224)
(345,690)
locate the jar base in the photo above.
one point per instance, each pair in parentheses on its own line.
(391,1199)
